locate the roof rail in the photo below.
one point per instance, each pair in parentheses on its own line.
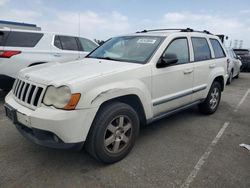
(181,30)
(171,29)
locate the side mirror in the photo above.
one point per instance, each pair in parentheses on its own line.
(166,60)
(238,57)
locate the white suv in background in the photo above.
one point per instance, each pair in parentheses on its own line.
(234,65)
(130,80)
(20,49)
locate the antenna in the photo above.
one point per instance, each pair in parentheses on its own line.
(79,24)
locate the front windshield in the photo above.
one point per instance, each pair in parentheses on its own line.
(134,49)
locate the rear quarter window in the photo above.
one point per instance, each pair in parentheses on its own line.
(218,50)
(69,43)
(3,37)
(22,39)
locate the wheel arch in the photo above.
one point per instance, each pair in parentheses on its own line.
(132,100)
(36,63)
(221,81)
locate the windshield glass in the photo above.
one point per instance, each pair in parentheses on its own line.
(135,49)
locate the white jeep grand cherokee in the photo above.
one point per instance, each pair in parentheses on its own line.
(129,81)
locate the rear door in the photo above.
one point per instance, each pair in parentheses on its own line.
(65,48)
(207,55)
(203,65)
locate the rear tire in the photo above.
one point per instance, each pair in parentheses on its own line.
(237,76)
(113,132)
(211,103)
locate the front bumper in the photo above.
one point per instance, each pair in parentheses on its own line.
(52,127)
(45,138)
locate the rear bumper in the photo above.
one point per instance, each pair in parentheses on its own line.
(6,82)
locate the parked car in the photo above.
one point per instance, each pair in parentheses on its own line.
(234,65)
(102,100)
(20,49)
(245,58)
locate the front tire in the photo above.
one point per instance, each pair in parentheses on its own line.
(113,132)
(211,103)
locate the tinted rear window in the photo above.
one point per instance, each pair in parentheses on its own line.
(3,36)
(22,39)
(57,42)
(68,43)
(201,49)
(218,50)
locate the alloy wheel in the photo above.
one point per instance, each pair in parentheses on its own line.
(214,100)
(118,134)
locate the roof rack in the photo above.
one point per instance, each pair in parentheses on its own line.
(181,30)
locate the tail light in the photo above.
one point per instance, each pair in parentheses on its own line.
(8,54)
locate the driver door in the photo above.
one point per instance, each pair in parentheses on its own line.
(172,83)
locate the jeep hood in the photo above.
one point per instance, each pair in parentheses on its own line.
(57,73)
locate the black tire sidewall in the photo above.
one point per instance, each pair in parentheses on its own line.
(214,85)
(102,123)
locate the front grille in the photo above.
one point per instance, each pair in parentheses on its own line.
(28,94)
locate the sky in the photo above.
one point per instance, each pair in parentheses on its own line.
(102,19)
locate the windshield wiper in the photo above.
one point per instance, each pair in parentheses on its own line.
(107,58)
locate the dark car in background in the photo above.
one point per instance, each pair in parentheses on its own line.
(245,58)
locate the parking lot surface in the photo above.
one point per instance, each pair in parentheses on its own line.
(185,150)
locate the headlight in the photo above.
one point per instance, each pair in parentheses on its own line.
(61,97)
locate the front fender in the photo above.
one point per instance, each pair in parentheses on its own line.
(97,96)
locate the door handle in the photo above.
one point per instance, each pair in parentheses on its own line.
(212,66)
(57,55)
(188,71)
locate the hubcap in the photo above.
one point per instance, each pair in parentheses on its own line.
(118,134)
(214,98)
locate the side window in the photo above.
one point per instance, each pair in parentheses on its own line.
(201,49)
(23,39)
(69,43)
(3,37)
(88,45)
(178,48)
(218,50)
(57,42)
